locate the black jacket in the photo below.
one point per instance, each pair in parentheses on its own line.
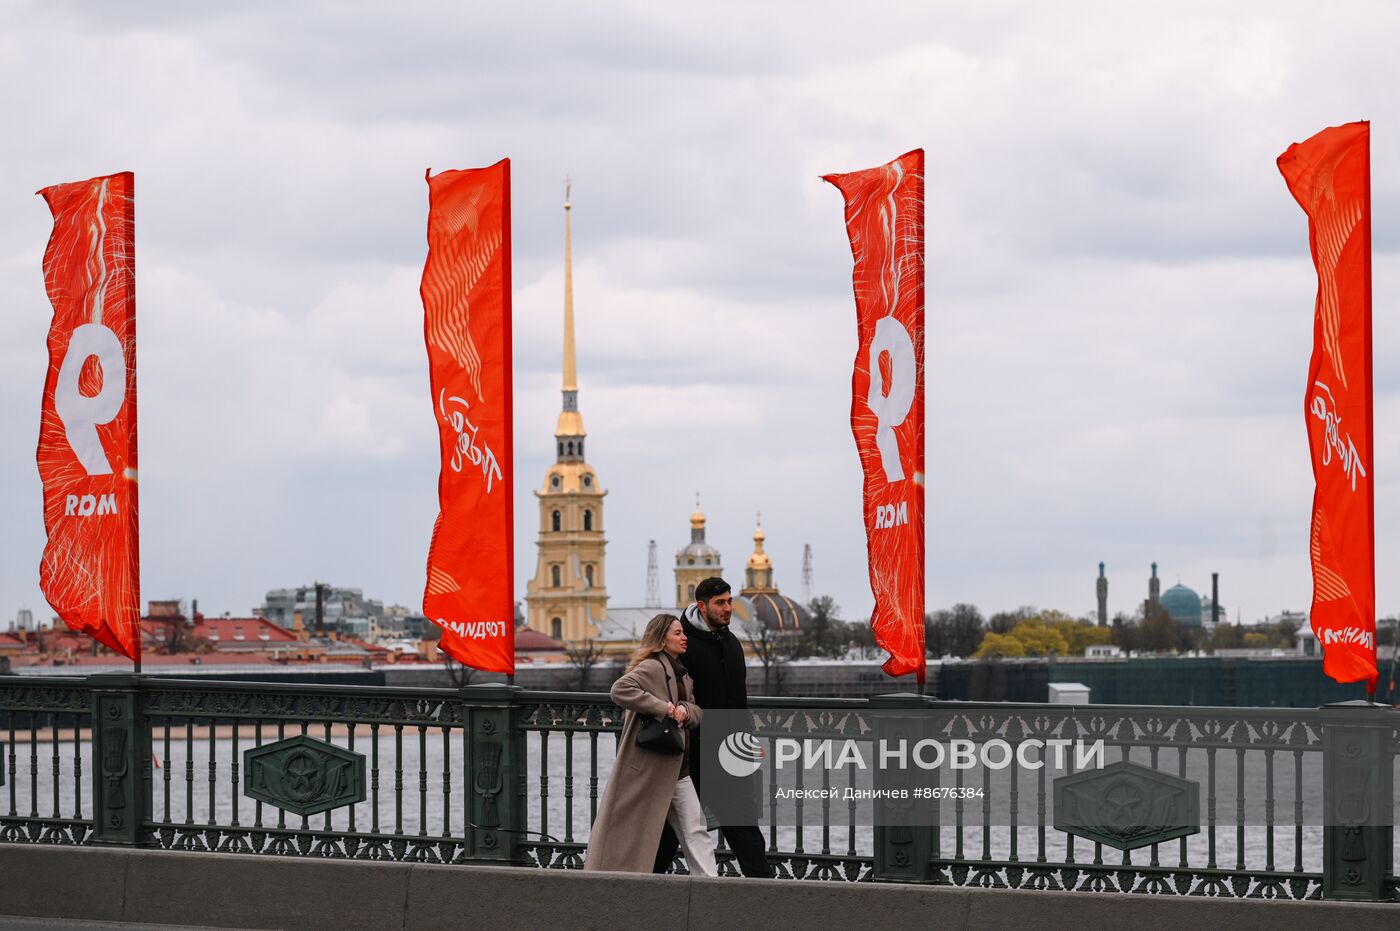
(715,661)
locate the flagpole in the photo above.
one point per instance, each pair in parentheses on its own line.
(1394,650)
(1370,424)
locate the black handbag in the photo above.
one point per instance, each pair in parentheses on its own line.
(661,735)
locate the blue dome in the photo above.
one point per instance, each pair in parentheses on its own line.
(1183,605)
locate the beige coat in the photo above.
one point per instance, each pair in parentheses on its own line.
(633,811)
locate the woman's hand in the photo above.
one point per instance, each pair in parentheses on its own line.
(680,713)
(671,710)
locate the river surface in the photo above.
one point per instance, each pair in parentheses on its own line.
(414,787)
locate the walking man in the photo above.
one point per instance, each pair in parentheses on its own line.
(714,658)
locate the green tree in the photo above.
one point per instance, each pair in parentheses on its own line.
(1077,633)
(1039,638)
(1080,634)
(1282,634)
(997,645)
(1227,637)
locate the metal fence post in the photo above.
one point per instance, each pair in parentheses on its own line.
(121,767)
(903,833)
(1357,784)
(497,770)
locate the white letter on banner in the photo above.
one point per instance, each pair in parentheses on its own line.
(937,753)
(1090,756)
(996,744)
(899,752)
(79,413)
(890,408)
(962,753)
(850,755)
(785,750)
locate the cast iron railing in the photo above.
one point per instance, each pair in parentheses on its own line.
(493,774)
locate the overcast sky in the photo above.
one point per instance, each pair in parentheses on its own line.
(1119,290)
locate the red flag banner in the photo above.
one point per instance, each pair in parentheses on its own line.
(90,572)
(885,222)
(466,322)
(1330,177)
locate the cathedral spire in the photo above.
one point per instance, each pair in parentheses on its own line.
(570,365)
(569,432)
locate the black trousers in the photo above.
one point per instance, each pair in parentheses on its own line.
(746,840)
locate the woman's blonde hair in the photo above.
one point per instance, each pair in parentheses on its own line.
(653,639)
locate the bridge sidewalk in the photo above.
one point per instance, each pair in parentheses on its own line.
(121,888)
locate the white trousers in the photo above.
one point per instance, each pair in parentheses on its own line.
(687,819)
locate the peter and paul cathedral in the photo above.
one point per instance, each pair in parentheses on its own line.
(567,599)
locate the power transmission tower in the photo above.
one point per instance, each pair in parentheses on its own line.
(653,581)
(806,573)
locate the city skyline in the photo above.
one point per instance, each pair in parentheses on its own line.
(1119,289)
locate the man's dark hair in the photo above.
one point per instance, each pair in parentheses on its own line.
(711,587)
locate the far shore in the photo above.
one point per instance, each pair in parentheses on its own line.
(179,733)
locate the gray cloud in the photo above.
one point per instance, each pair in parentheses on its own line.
(1119,290)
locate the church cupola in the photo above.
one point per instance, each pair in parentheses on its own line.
(696,562)
(758,573)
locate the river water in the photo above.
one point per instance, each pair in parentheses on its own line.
(431,795)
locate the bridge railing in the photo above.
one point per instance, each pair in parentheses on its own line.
(1294,803)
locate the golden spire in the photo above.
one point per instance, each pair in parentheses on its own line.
(570,420)
(697,520)
(570,367)
(758,559)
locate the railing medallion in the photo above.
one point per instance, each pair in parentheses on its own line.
(304,775)
(1126,806)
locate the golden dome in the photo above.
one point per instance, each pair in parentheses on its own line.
(697,520)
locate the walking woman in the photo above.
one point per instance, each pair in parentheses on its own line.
(648,788)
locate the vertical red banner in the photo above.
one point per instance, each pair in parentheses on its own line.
(1330,177)
(90,572)
(885,222)
(467,326)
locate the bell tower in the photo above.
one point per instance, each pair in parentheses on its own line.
(697,561)
(568,597)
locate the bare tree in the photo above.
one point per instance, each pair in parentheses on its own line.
(1002,621)
(956,632)
(177,636)
(583,657)
(774,648)
(458,672)
(822,636)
